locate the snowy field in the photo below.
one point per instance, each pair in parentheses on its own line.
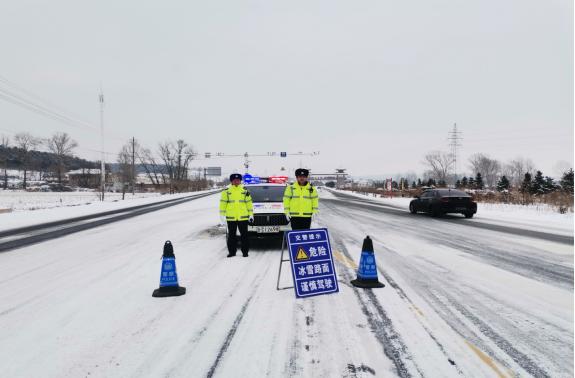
(459,301)
(18,200)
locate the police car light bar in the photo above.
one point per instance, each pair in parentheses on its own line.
(251,180)
(278,179)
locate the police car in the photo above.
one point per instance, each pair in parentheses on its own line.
(267,198)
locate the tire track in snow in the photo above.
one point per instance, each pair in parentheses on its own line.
(381,325)
(401,293)
(487,311)
(293,368)
(229,336)
(404,296)
(365,203)
(312,337)
(442,308)
(528,262)
(233,329)
(519,357)
(516,355)
(197,336)
(273,346)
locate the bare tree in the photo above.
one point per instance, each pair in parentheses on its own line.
(25,143)
(489,168)
(439,164)
(177,157)
(5,143)
(61,145)
(516,169)
(125,162)
(150,165)
(126,159)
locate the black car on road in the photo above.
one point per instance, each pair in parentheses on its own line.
(438,202)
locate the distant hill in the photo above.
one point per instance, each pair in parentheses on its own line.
(46,161)
(40,160)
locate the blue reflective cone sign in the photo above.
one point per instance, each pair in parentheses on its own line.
(312,264)
(168,276)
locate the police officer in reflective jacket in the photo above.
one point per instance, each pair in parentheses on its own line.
(236,209)
(300,201)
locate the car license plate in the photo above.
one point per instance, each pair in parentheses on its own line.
(267,229)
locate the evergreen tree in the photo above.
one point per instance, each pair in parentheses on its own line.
(413,185)
(431,182)
(404,184)
(503,184)
(471,183)
(567,181)
(419,183)
(464,182)
(479,181)
(550,185)
(538,184)
(526,184)
(458,184)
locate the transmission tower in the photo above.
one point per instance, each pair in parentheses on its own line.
(454,139)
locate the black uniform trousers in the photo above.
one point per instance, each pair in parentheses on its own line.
(233,239)
(300,223)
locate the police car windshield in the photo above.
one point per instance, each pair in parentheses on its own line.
(266,193)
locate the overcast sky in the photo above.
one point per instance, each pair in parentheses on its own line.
(372,85)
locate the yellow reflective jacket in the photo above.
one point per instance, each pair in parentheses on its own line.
(300,201)
(236,203)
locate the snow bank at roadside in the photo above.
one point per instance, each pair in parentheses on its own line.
(28,218)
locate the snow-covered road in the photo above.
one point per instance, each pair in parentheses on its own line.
(459,301)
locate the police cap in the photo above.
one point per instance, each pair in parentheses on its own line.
(301,172)
(235,176)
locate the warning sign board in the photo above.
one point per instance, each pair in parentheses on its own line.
(312,263)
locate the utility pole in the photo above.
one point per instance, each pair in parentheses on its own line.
(454,138)
(133,164)
(102,165)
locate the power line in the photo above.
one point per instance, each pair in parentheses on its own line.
(34,96)
(517,137)
(43,107)
(16,99)
(37,110)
